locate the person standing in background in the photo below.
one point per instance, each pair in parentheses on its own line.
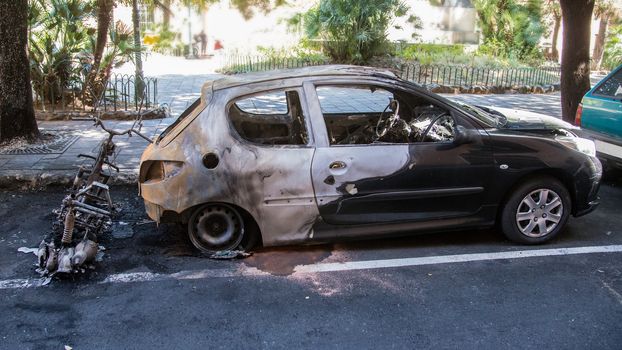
(203,39)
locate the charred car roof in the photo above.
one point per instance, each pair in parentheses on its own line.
(315,71)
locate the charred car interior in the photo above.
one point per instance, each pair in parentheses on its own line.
(386,116)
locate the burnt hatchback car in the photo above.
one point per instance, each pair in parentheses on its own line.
(334,152)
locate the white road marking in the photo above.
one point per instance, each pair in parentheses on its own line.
(447,259)
(613,292)
(608,148)
(243,270)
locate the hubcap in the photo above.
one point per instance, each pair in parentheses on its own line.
(539,213)
(218,227)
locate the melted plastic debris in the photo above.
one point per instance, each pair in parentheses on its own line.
(230,254)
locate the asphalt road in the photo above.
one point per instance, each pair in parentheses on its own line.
(153,292)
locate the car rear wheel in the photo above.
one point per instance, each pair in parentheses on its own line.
(216,227)
(536,211)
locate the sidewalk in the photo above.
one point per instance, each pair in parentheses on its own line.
(58,167)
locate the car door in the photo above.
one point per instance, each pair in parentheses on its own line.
(358,181)
(602,107)
(268,166)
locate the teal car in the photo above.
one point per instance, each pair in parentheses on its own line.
(600,117)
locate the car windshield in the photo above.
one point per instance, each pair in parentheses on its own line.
(486,115)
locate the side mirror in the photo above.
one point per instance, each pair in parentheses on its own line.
(464,136)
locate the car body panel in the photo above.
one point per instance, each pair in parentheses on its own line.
(523,120)
(415,182)
(601,119)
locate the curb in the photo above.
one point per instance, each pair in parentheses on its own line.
(37,179)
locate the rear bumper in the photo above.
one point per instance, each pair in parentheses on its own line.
(153,210)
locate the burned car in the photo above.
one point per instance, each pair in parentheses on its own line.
(334,152)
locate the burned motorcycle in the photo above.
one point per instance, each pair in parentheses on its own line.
(87,211)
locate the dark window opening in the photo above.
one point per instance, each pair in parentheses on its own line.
(612,87)
(369,114)
(272,118)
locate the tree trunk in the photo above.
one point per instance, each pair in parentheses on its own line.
(17,114)
(575,67)
(104,17)
(555,52)
(166,19)
(599,44)
(138,62)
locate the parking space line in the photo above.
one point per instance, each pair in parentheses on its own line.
(243,270)
(447,259)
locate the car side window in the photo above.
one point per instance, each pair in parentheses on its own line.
(270,118)
(612,87)
(367,114)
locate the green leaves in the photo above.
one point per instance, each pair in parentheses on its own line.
(511,28)
(352,30)
(57,34)
(613,48)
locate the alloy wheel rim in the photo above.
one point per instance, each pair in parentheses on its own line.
(539,213)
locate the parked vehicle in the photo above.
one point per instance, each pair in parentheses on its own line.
(334,152)
(600,117)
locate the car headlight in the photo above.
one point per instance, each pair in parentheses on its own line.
(578,144)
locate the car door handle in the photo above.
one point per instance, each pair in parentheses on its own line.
(337,165)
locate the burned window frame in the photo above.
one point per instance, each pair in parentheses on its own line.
(393,89)
(283,89)
(182,122)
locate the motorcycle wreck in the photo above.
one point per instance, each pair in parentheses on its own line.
(86,212)
(73,246)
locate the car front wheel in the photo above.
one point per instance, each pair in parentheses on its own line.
(536,211)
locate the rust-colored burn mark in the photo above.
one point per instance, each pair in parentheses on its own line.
(281,261)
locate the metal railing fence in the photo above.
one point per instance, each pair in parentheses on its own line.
(479,76)
(121,93)
(449,75)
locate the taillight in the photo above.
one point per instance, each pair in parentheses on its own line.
(152,171)
(158,170)
(577,116)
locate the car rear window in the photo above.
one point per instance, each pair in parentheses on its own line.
(612,87)
(270,118)
(183,116)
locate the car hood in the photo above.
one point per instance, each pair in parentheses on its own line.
(519,119)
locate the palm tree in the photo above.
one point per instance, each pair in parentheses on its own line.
(554,12)
(104,19)
(606,11)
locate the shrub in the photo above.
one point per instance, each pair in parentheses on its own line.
(613,48)
(511,28)
(351,30)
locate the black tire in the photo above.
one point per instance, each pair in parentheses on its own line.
(216,227)
(527,218)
